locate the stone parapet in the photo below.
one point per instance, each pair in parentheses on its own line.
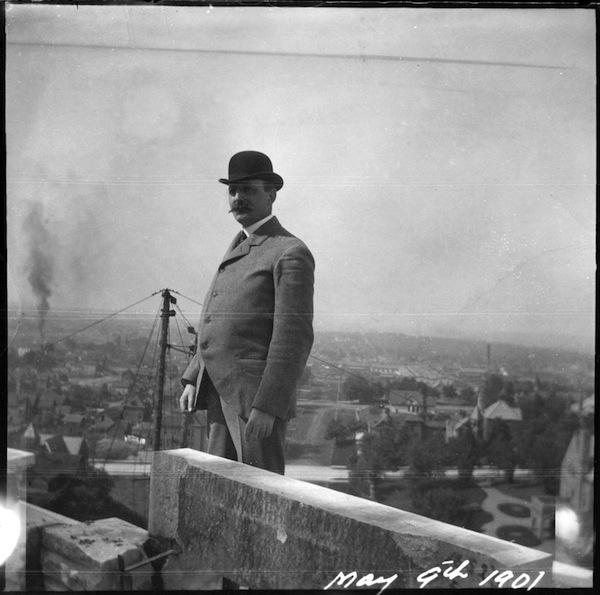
(17,463)
(266,531)
(39,519)
(84,557)
(63,554)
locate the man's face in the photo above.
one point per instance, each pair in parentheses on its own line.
(250,202)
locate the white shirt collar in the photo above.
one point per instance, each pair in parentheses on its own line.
(252,228)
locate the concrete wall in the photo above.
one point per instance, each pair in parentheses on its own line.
(67,555)
(266,531)
(17,463)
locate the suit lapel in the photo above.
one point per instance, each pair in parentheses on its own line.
(237,251)
(255,239)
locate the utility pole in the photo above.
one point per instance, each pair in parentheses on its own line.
(165,314)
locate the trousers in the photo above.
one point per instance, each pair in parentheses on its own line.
(226,435)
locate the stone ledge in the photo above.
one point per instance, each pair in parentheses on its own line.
(268,531)
(38,517)
(83,556)
(17,460)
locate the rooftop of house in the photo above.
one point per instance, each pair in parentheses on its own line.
(587,406)
(402,397)
(502,410)
(74,444)
(73,418)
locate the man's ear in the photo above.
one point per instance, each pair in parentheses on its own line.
(273,195)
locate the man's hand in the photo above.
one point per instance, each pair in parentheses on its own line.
(259,426)
(186,401)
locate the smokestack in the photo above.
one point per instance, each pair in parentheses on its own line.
(40,263)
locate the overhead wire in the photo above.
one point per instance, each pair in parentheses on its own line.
(187,298)
(180,337)
(131,387)
(182,314)
(99,321)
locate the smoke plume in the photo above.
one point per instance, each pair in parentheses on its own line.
(40,261)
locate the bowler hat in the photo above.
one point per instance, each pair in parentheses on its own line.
(248,165)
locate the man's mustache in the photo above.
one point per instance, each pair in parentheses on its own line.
(240,205)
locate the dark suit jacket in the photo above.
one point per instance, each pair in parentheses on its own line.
(255,332)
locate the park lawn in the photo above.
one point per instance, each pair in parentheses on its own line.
(397,494)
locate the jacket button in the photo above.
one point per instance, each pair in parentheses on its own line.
(215,293)
(204,345)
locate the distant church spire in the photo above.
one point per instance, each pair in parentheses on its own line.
(30,440)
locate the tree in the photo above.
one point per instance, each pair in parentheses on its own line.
(509,394)
(469,395)
(438,500)
(449,392)
(386,448)
(356,388)
(541,447)
(86,497)
(343,430)
(501,451)
(411,383)
(80,496)
(546,430)
(427,458)
(463,452)
(107,448)
(104,393)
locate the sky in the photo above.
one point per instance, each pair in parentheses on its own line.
(439,163)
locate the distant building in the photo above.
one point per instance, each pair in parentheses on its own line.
(542,517)
(453,407)
(372,416)
(434,428)
(55,454)
(63,410)
(575,503)
(73,423)
(128,376)
(456,427)
(30,440)
(102,426)
(586,407)
(484,421)
(410,401)
(133,410)
(120,388)
(473,375)
(76,446)
(50,399)
(53,443)
(142,429)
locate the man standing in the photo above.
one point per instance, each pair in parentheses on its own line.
(255,331)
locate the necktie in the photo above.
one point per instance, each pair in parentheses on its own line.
(240,238)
